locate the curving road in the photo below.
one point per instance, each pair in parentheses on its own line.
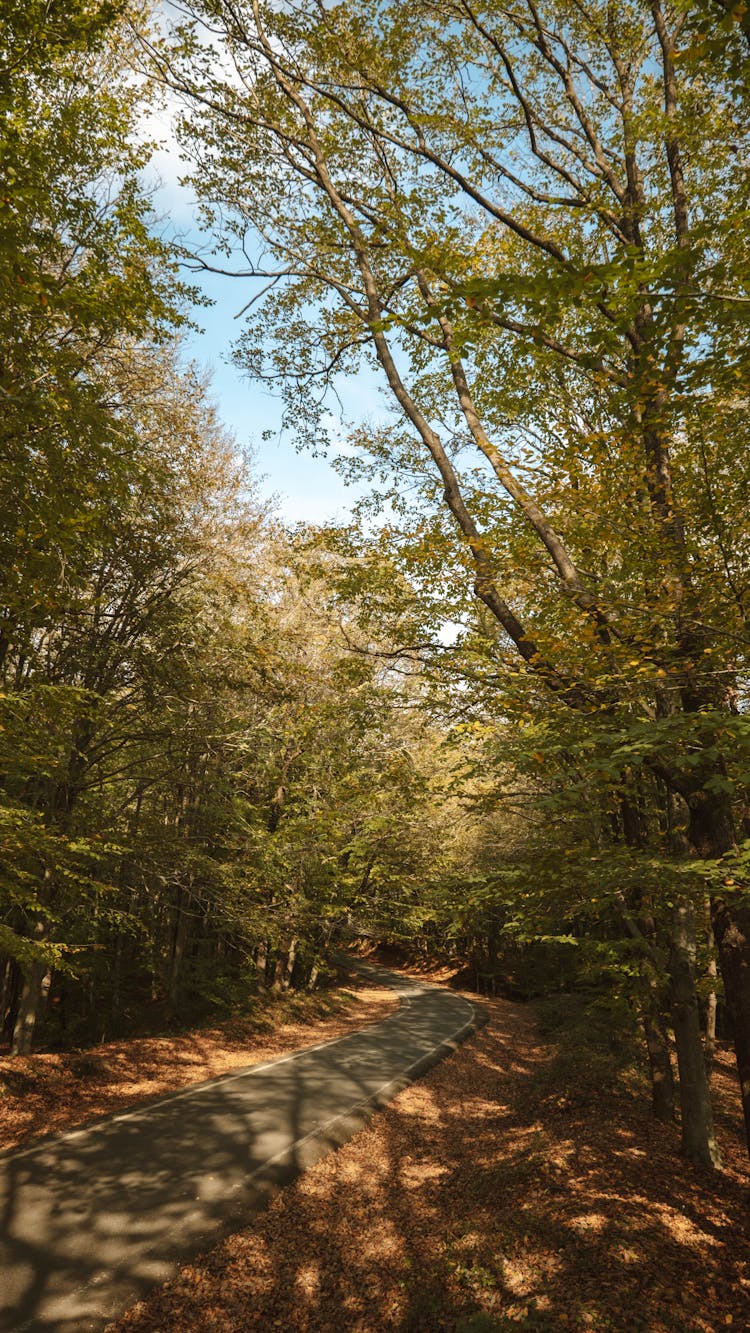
(93,1218)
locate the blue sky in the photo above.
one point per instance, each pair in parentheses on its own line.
(306,488)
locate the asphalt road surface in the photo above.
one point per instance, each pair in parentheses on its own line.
(94,1218)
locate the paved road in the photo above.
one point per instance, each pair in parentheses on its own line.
(92,1219)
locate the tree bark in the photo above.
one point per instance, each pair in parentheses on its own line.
(178,951)
(730,919)
(660,1065)
(643,928)
(289,964)
(709,1028)
(656,1035)
(5,992)
(10,1010)
(712,833)
(261,964)
(36,984)
(698,1139)
(116,981)
(285,966)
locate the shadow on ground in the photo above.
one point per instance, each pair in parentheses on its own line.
(95,1218)
(485,1199)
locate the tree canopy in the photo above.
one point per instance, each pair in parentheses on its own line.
(504,709)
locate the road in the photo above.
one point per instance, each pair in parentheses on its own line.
(94,1218)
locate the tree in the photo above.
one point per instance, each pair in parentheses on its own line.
(92,706)
(82,277)
(525,215)
(197,782)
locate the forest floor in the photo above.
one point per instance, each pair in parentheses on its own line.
(48,1093)
(522,1182)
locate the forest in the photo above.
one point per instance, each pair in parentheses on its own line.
(500,713)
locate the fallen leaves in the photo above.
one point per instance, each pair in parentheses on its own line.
(49,1093)
(460,1208)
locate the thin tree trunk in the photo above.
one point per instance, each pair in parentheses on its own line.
(285,966)
(261,964)
(34,991)
(712,833)
(709,1033)
(709,1036)
(11,1000)
(91,1005)
(36,983)
(492,959)
(178,951)
(5,993)
(278,973)
(731,926)
(698,1139)
(643,930)
(660,1060)
(116,982)
(291,956)
(660,1066)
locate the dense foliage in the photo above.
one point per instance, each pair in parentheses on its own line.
(542,249)
(504,711)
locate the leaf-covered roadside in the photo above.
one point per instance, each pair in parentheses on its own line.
(49,1093)
(506,1188)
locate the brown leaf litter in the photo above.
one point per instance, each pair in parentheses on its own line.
(48,1093)
(481,1199)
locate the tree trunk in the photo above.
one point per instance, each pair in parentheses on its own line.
(284,968)
(5,991)
(731,926)
(116,1002)
(12,996)
(278,973)
(178,951)
(91,995)
(698,1140)
(261,964)
(660,1065)
(492,959)
(709,1035)
(712,833)
(36,984)
(289,964)
(635,832)
(709,1031)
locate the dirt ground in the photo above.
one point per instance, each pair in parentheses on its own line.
(489,1195)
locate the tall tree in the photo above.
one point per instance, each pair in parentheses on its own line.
(91,687)
(82,276)
(525,215)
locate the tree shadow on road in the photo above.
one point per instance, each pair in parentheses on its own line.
(480,1201)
